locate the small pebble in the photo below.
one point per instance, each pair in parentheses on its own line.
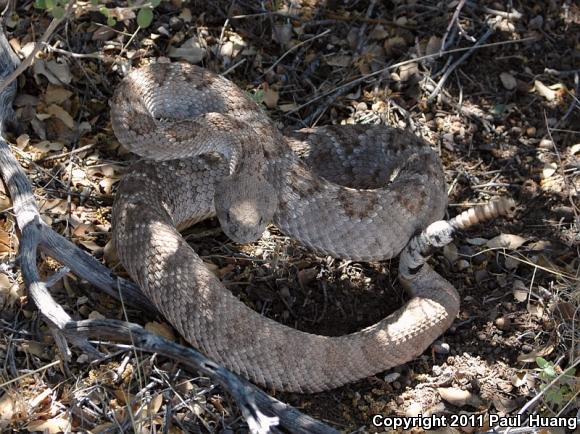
(441,347)
(480,276)
(462,264)
(503,323)
(536,23)
(393,376)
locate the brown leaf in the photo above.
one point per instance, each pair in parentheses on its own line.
(56,94)
(55,425)
(60,113)
(433,45)
(341,60)
(506,241)
(161,329)
(190,50)
(271,98)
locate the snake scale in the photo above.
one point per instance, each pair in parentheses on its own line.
(357,192)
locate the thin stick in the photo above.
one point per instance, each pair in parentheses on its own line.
(451,23)
(458,62)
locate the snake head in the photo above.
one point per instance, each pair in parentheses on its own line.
(245,205)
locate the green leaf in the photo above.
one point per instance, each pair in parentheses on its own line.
(551,371)
(155,3)
(145,17)
(58,12)
(111,21)
(40,4)
(541,362)
(104,11)
(555,395)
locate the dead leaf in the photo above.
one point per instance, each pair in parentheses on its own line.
(161,329)
(506,241)
(186,15)
(535,309)
(110,254)
(287,107)
(59,70)
(45,147)
(548,170)
(476,241)
(92,246)
(22,141)
(154,405)
(433,45)
(505,405)
(55,425)
(7,238)
(341,60)
(83,230)
(533,355)
(394,46)
(190,50)
(545,91)
(56,94)
(122,14)
(103,34)
(60,113)
(378,33)
(509,82)
(7,407)
(522,378)
(270,98)
(282,33)
(96,315)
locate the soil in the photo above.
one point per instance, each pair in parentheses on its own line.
(505,123)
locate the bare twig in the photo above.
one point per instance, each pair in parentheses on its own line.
(458,62)
(453,21)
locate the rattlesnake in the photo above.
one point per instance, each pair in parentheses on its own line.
(358,192)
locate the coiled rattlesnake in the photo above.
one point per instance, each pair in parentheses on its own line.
(356,192)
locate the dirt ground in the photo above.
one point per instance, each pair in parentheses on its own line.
(504,121)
